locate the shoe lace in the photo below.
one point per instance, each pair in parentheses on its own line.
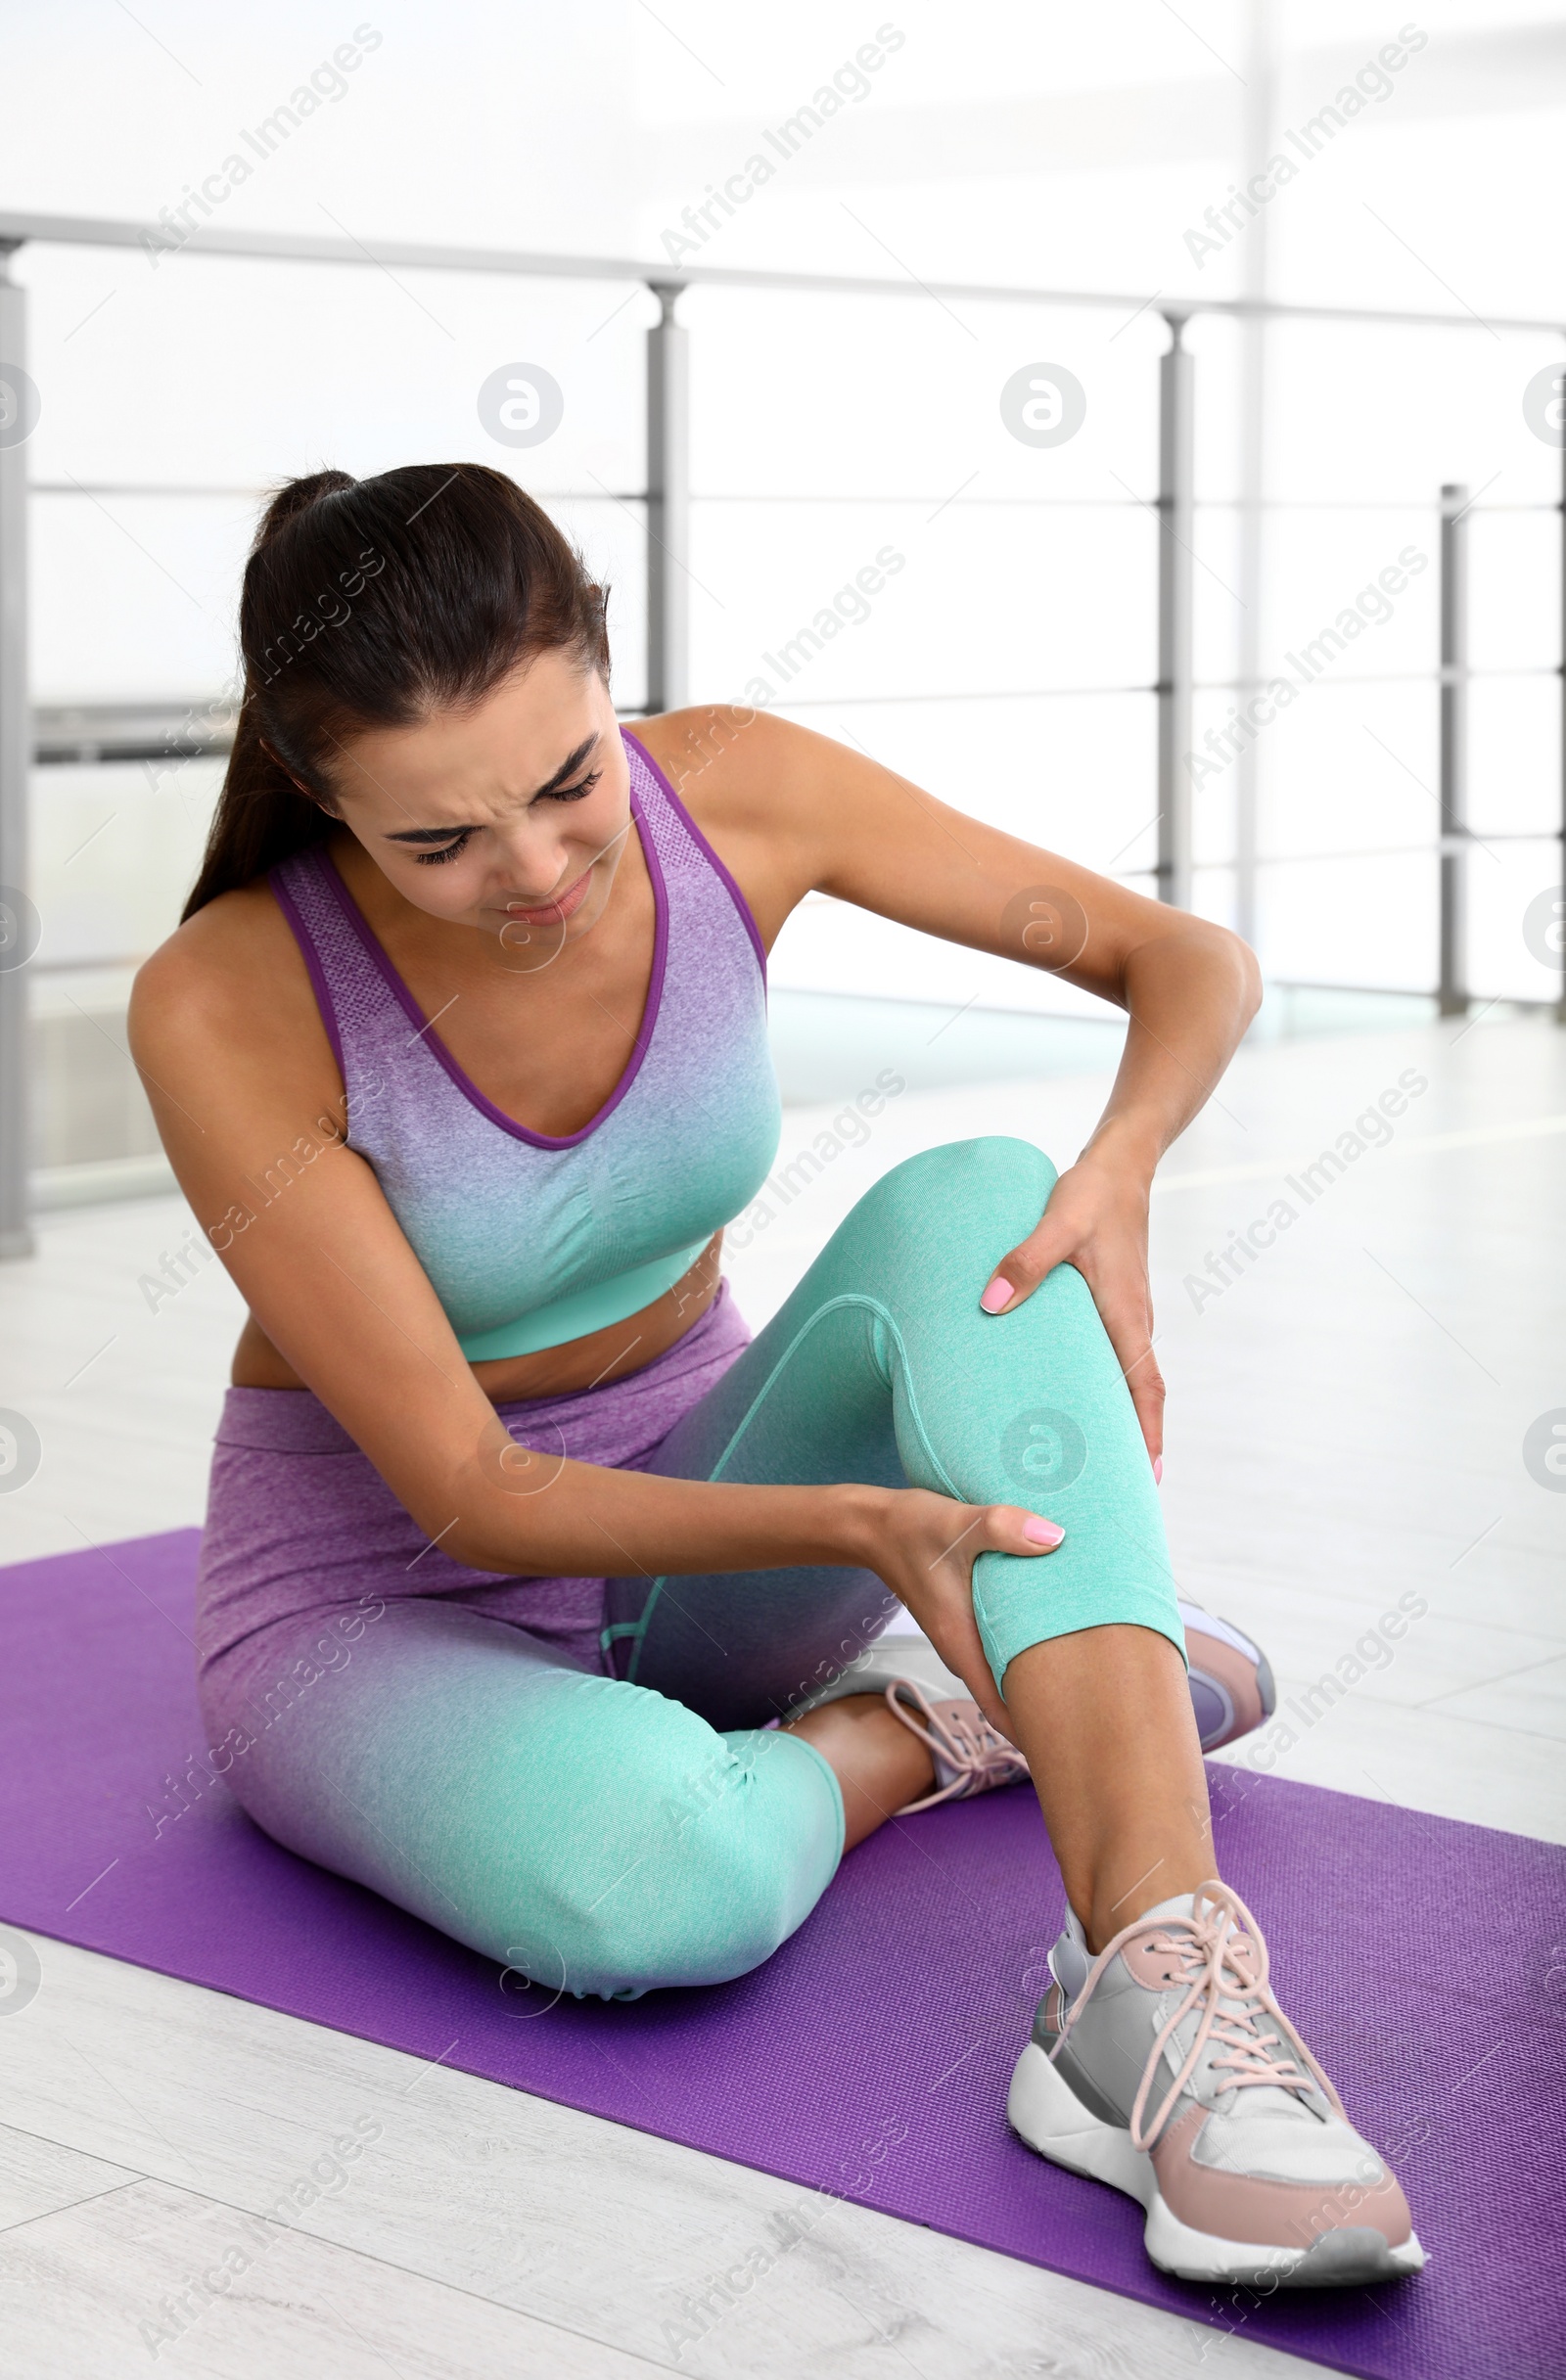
(1224,1969)
(961,1735)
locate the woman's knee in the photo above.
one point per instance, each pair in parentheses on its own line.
(965,1179)
(713,1883)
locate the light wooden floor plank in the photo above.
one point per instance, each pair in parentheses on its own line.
(152,2274)
(37,2176)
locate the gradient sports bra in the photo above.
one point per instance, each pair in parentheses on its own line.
(529,1240)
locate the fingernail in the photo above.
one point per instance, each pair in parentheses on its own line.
(998,1295)
(1042,1532)
(1158,1471)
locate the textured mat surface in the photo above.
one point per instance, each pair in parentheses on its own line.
(870,2056)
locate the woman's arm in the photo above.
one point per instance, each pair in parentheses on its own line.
(791,812)
(1190,998)
(249,1100)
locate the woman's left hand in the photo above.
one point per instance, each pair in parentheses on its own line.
(1097,1220)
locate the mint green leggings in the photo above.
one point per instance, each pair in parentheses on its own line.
(611,1834)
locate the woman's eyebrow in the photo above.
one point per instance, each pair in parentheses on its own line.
(443,834)
(569,766)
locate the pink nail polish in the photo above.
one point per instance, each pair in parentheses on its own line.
(1158,1471)
(1042,1532)
(998,1295)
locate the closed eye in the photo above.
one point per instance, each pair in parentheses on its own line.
(437,859)
(454,848)
(571,792)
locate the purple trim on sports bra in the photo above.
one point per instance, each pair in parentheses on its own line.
(706,849)
(469,1089)
(318,982)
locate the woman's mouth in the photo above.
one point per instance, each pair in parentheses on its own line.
(552,912)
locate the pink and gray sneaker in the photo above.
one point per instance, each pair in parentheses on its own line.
(968,1753)
(1166,2068)
(1230,1678)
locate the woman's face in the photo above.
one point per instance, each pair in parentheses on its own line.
(510,817)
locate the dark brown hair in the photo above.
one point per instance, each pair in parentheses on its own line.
(370,603)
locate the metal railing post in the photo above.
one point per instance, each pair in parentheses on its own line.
(1560,1000)
(1247,764)
(668,506)
(1453,993)
(16,1237)
(1261,135)
(1176,466)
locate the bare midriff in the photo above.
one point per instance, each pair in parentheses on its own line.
(552,1371)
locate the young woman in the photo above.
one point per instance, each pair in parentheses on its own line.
(523,1570)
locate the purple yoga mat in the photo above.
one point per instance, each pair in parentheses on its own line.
(870,2056)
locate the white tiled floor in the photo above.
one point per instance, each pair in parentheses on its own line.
(1346,1427)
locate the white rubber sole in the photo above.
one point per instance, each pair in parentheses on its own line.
(1046,2112)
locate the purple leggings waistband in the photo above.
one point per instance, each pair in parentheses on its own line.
(294,1420)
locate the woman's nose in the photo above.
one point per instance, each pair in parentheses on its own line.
(532,872)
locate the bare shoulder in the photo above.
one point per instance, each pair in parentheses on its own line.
(229,982)
(770,795)
(762,791)
(724,760)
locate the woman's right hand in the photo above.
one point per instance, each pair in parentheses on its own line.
(924,1546)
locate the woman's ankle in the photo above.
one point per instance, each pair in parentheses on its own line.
(1102,1911)
(879,1764)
